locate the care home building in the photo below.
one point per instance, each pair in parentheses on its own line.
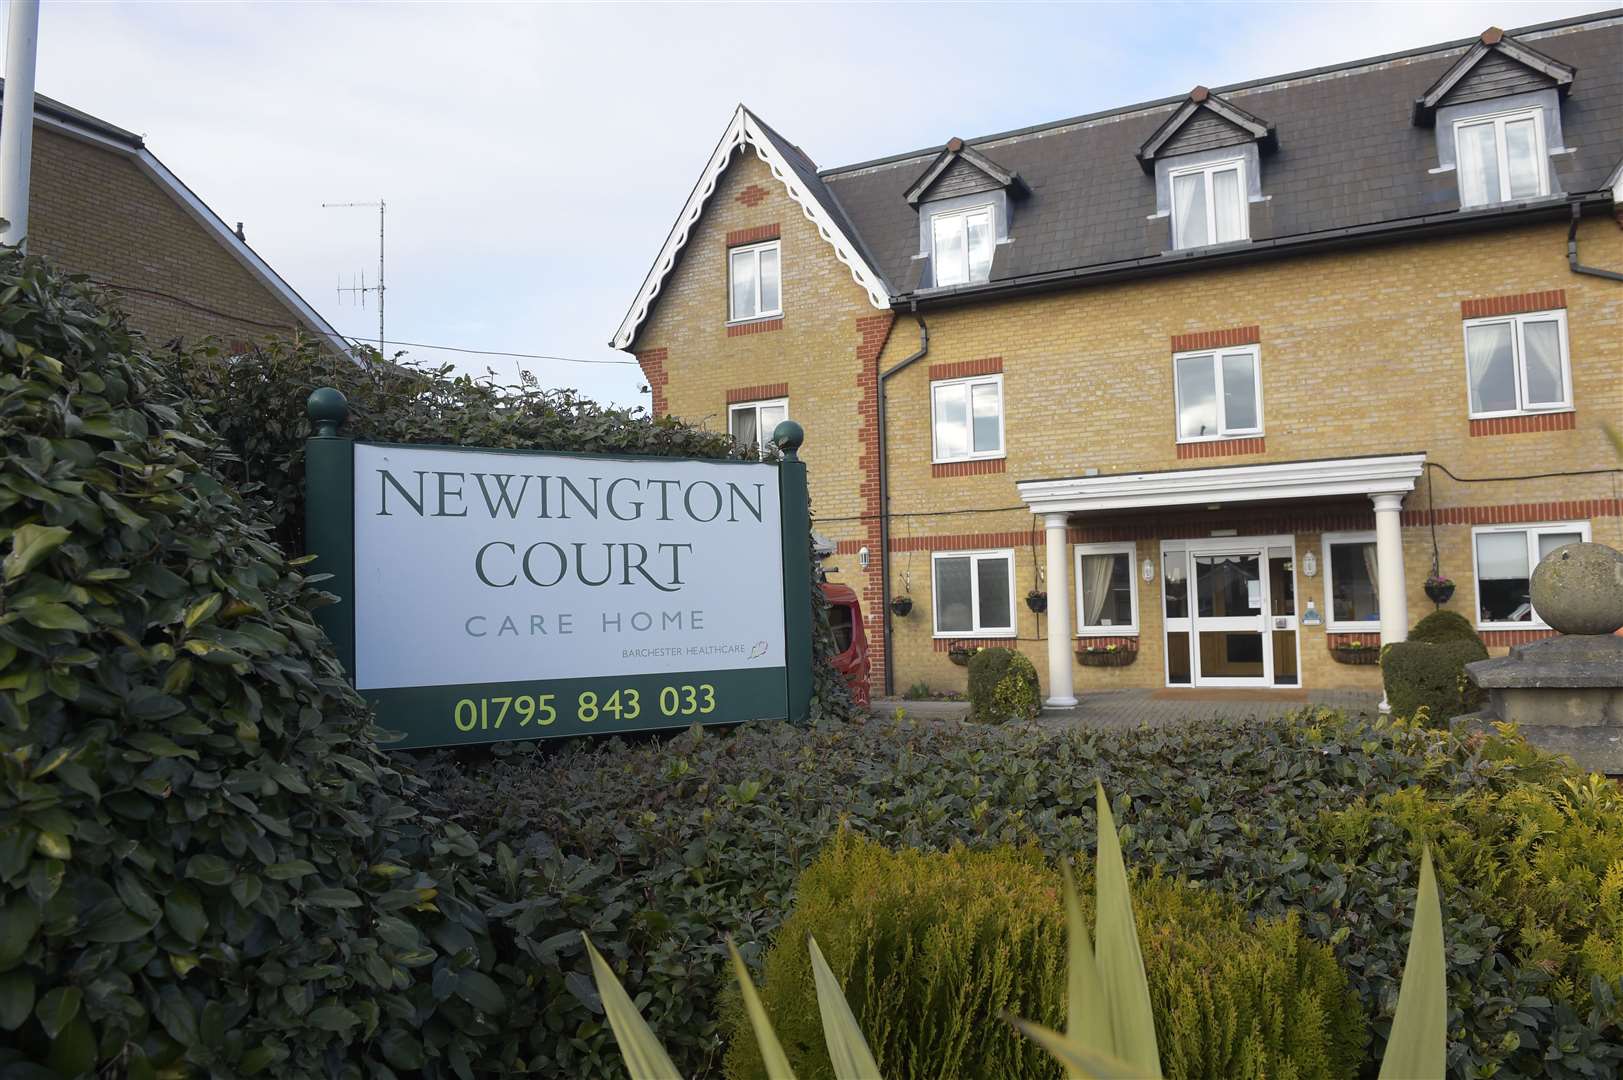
(1222,379)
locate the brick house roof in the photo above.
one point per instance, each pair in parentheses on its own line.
(1348,155)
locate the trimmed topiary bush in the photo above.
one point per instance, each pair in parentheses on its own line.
(1003,686)
(1423,674)
(1441,626)
(933,949)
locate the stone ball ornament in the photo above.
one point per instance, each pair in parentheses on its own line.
(1578,589)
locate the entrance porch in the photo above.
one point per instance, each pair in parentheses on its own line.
(1228,614)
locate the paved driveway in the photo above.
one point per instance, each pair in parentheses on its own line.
(1131,708)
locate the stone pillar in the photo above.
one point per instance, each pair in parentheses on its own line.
(1061,685)
(1391,589)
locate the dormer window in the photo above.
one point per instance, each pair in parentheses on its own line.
(1209,204)
(961,246)
(1501,157)
(753,282)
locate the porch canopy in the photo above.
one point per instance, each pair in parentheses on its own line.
(1384,478)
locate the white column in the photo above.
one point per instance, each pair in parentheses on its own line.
(1061,685)
(1391,589)
(17,120)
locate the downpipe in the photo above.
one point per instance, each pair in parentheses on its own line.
(884,499)
(1572,251)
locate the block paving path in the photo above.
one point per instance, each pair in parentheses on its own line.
(1156,708)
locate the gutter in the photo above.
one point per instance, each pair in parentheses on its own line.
(1572,252)
(884,499)
(1247,252)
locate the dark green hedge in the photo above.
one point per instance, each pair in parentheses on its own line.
(1424,674)
(1441,626)
(658,850)
(1002,686)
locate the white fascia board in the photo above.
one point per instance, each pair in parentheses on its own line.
(742,130)
(200,212)
(1394,474)
(240,250)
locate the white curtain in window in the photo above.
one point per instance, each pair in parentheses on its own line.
(1374,578)
(951,422)
(744,429)
(743,264)
(1189,210)
(1478,154)
(1501,556)
(769,279)
(1491,370)
(948,261)
(1541,353)
(1228,206)
(1095,584)
(978,226)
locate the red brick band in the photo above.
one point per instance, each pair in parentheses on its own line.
(752,196)
(1515,304)
(652,362)
(948,644)
(1341,641)
(1502,638)
(1217,339)
(765,392)
(968,468)
(759,326)
(758,234)
(963,369)
(1128,643)
(1516,513)
(1222,447)
(1517,425)
(967,541)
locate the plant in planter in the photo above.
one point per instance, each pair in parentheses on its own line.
(1355,652)
(1037,601)
(1115,654)
(1439,589)
(960,654)
(901,605)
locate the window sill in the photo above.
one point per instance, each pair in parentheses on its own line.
(1553,410)
(976,635)
(1001,455)
(1105,631)
(1352,627)
(1493,627)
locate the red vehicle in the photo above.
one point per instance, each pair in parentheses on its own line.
(850,641)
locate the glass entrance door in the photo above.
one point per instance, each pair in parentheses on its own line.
(1232,645)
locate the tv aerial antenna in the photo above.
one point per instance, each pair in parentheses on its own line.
(359,291)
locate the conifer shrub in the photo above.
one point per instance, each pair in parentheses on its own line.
(934,949)
(1443,625)
(1431,675)
(1003,686)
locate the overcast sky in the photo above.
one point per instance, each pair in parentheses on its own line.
(534,157)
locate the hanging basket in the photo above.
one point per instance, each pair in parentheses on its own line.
(1037,601)
(960,655)
(1106,658)
(1439,590)
(901,605)
(1363,654)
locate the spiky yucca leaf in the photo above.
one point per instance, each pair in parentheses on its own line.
(1417,1048)
(1120,963)
(645,1058)
(847,1049)
(1087,1013)
(777,1065)
(1082,1062)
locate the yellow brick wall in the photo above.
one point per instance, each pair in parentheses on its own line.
(92,210)
(1361,353)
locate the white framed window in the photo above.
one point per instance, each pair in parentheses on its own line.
(1209,204)
(1518,364)
(1501,157)
(1106,589)
(961,243)
(1351,584)
(754,282)
(974,593)
(1503,557)
(1219,393)
(966,418)
(752,422)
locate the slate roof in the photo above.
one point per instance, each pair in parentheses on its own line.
(1349,155)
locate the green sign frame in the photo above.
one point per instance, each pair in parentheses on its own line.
(541,708)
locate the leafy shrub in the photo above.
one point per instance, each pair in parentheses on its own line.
(1423,674)
(206,865)
(1002,686)
(934,949)
(654,849)
(919,691)
(1441,626)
